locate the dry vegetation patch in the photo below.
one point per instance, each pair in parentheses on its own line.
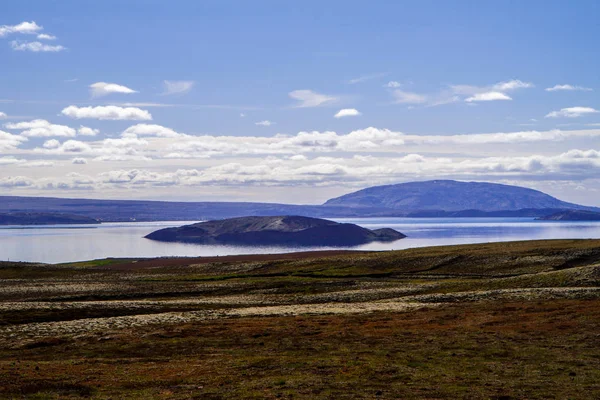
(503,320)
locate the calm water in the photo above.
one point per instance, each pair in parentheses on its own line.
(54,244)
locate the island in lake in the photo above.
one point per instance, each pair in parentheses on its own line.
(276,231)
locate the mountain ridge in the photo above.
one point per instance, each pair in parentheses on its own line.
(339,207)
(450,195)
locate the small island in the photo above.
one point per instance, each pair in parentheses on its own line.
(25,218)
(572,215)
(275,231)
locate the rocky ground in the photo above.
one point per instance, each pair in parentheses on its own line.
(503,320)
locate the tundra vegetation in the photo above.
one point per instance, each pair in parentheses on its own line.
(491,321)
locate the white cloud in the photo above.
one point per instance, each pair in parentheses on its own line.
(242,115)
(493,92)
(488,96)
(347,112)
(506,86)
(35,47)
(557,88)
(107,113)
(3,115)
(571,112)
(29,28)
(86,131)
(511,85)
(51,144)
(54,147)
(74,146)
(79,161)
(15,182)
(308,98)
(177,87)
(403,97)
(365,78)
(121,157)
(100,89)
(264,123)
(45,36)
(393,84)
(37,164)
(41,128)
(145,104)
(10,160)
(150,130)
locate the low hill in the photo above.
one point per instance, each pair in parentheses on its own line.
(572,215)
(274,231)
(448,195)
(44,219)
(149,210)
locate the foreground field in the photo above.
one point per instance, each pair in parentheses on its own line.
(491,321)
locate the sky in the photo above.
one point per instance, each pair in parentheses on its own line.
(296,102)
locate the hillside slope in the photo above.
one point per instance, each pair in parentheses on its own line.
(451,195)
(44,219)
(572,215)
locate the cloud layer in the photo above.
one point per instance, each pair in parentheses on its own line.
(152,157)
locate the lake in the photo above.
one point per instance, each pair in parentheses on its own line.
(56,244)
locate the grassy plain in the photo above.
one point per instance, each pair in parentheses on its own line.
(490,321)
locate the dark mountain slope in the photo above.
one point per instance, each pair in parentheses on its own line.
(44,219)
(450,195)
(572,215)
(146,210)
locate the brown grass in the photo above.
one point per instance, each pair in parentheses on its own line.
(482,350)
(503,321)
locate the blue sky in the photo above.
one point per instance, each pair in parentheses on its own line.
(236,100)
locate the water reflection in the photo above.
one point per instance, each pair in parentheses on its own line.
(83,242)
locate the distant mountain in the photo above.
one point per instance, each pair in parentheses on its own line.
(522,213)
(44,219)
(447,195)
(572,215)
(441,198)
(275,231)
(146,210)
